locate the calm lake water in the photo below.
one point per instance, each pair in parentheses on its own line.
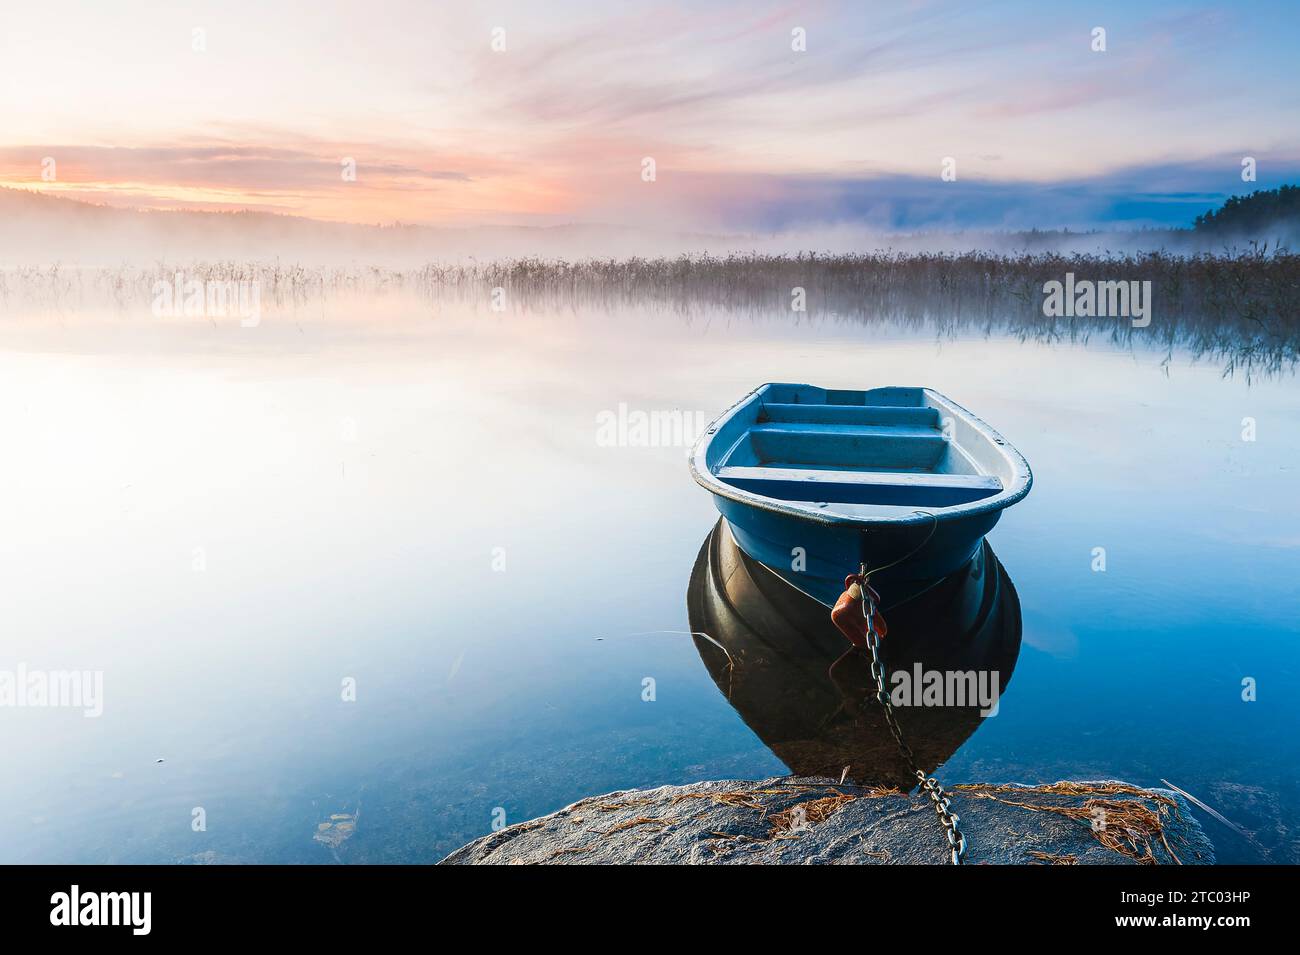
(231,522)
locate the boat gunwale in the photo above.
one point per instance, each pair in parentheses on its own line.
(1022,476)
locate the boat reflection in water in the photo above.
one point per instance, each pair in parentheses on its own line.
(794,679)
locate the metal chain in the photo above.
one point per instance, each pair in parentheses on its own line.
(938,798)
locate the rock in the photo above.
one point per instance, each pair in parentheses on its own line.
(792,819)
(337,830)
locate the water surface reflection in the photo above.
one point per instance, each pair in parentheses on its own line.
(349,468)
(790,674)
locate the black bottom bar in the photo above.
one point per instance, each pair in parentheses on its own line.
(334,903)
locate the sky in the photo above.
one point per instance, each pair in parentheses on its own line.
(546,113)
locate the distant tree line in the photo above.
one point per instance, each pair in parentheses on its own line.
(1250,214)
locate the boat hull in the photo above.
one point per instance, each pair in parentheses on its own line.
(817,483)
(815,558)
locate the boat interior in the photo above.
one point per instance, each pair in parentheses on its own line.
(860,451)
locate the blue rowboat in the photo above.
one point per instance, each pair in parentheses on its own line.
(815,483)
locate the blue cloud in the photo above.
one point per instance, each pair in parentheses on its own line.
(1159,195)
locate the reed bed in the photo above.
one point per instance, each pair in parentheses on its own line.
(1242,307)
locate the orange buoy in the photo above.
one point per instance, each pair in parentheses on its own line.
(848,615)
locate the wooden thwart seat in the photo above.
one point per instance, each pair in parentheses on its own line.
(849,414)
(862,487)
